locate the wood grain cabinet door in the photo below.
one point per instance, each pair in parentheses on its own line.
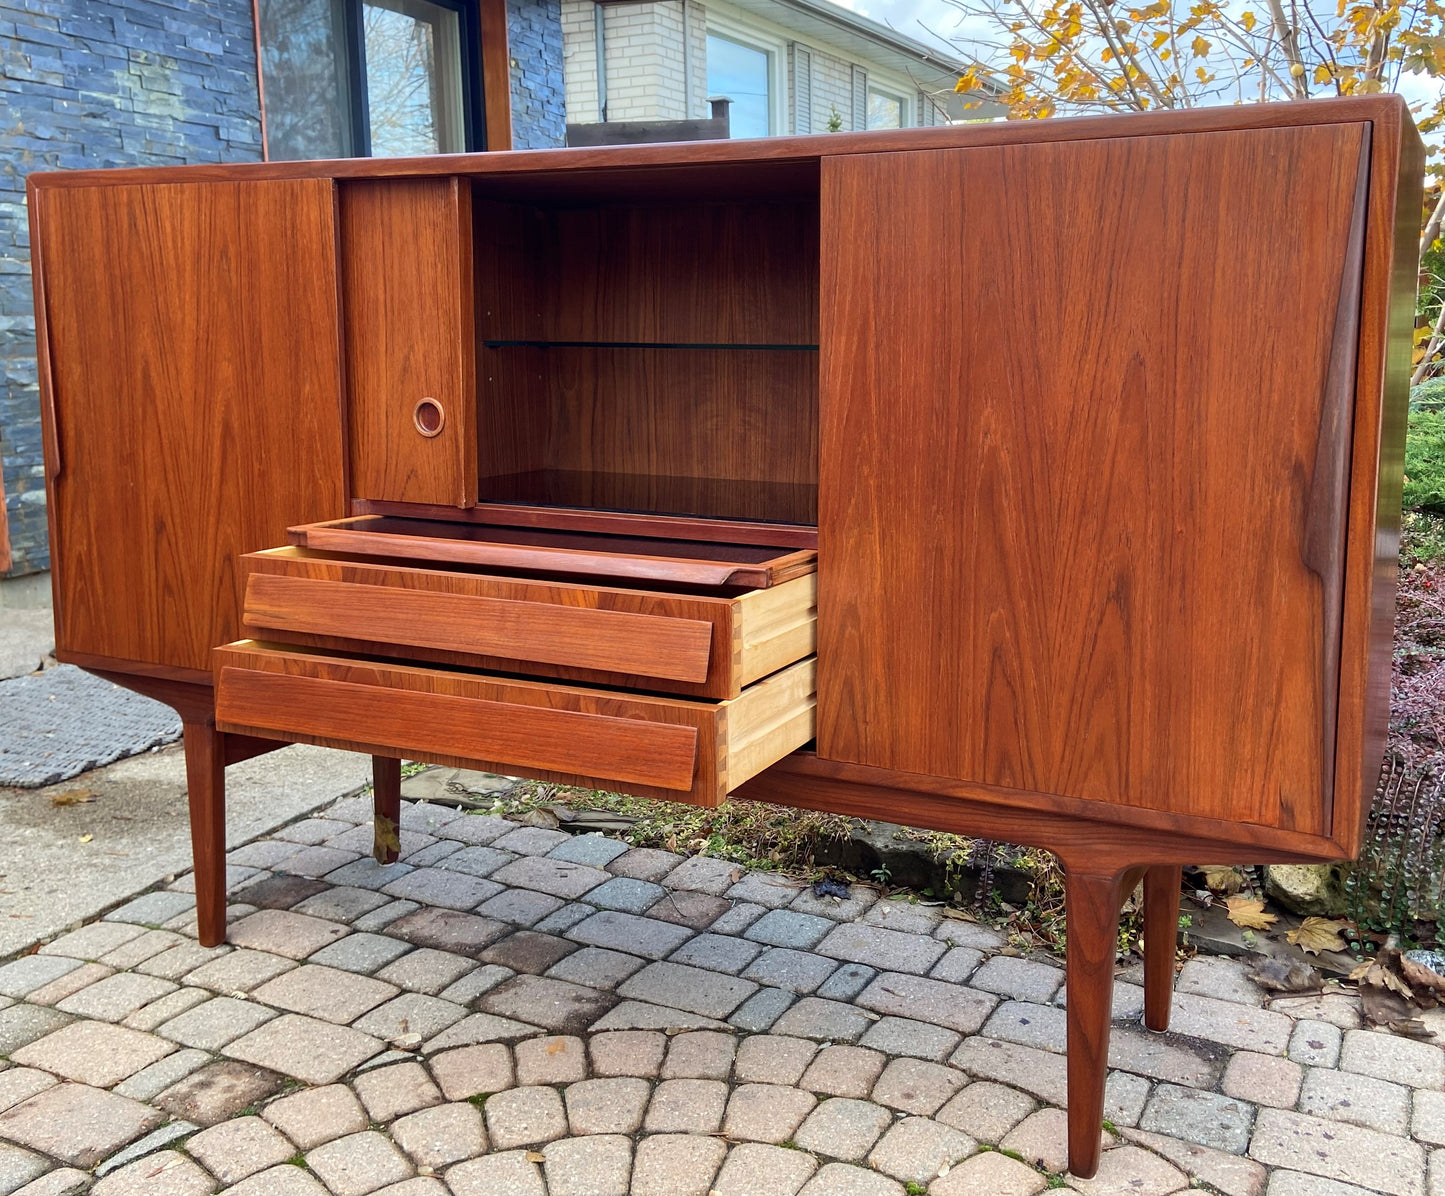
(193,391)
(406,268)
(1085,428)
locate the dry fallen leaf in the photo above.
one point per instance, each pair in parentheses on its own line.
(1249,912)
(536,1156)
(556,1046)
(1222,878)
(86,838)
(73,797)
(388,836)
(1285,975)
(1319,934)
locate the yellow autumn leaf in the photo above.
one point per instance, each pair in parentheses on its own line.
(1200,46)
(1222,878)
(1247,19)
(86,838)
(1248,912)
(388,838)
(73,797)
(1318,934)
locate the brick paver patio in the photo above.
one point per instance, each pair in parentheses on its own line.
(511,1011)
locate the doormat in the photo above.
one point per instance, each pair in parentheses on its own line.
(59,723)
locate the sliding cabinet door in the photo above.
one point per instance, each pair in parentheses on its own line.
(1085,428)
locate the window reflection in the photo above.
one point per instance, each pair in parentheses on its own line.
(744,75)
(413,78)
(304,70)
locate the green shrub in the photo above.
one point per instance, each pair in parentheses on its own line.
(1425,462)
(1429,395)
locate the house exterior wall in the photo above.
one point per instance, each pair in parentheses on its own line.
(539,104)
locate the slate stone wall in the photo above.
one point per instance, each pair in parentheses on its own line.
(539,101)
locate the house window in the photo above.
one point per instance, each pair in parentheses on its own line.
(744,74)
(884,111)
(346,78)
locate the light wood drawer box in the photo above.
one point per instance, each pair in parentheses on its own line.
(681,749)
(705,645)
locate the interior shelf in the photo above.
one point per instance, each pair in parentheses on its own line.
(557,344)
(635,493)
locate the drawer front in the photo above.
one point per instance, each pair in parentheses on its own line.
(705,646)
(674,748)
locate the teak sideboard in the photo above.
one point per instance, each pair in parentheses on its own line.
(1033,481)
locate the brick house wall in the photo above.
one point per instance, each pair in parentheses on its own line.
(99,83)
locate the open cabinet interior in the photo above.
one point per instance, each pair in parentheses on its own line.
(649,344)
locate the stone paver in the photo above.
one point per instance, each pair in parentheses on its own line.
(712,994)
(219,1090)
(753,1168)
(676,1165)
(1220,1122)
(21,1083)
(686,1107)
(282,932)
(917,1087)
(394,1091)
(842,1128)
(168,1173)
(627,894)
(900,1036)
(773,1059)
(23,976)
(525,1117)
(449,930)
(886,950)
(18,1167)
(556,1005)
(238,971)
(644,863)
(1389,1057)
(762,1009)
(596,967)
(843,1179)
(511,1173)
(1263,1079)
(212,1024)
(473,1070)
(768,1113)
(843,1071)
(236,1149)
(781,967)
(443,1135)
(992,1173)
(1021,979)
(555,1059)
(627,1053)
(1133,1170)
(787,928)
(310,1050)
(687,907)
(629,933)
(612,1106)
(986,1111)
(322,992)
(150,1082)
(718,953)
(833,1021)
(364,953)
(424,970)
(77,1124)
(1333,1150)
(317,1115)
(701,1055)
(93,1053)
(410,1016)
(960,1009)
(358,1164)
(917,1149)
(594,1166)
(560,878)
(528,951)
(1359,1100)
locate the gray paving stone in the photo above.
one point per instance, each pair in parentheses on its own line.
(21,977)
(838,909)
(234,1150)
(317,1115)
(476,861)
(959,931)
(903,914)
(703,874)
(676,1165)
(903,1036)
(753,1168)
(1357,1099)
(1219,1122)
(1240,1026)
(239,971)
(396,1090)
(957,965)
(1334,1150)
(282,932)
(263,853)
(717,952)
(1140,1170)
(340,903)
(479,1028)
(311,831)
(181,960)
(627,1053)
(471,986)
(433,855)
(423,970)
(600,1165)
(449,930)
(115,997)
(478,829)
(686,1107)
(690,908)
(1339,1009)
(593,849)
(1161,1057)
(626,894)
(150,1082)
(524,1117)
(326,993)
(596,967)
(761,1010)
(1041,1026)
(72,982)
(1230,1174)
(788,928)
(359,841)
(607,1106)
(93,941)
(1042,1140)
(528,951)
(151,909)
(18,1167)
(847,982)
(644,863)
(383,916)
(797,971)
(554,1059)
(219,1090)
(921,999)
(843,1071)
(315,862)
(275,891)
(21,1083)
(64,1181)
(831,1021)
(77,1124)
(1315,1044)
(843,1128)
(628,933)
(358,1164)
(363,953)
(916,1149)
(739,918)
(700,1055)
(565,918)
(510,1173)
(771,890)
(773,1059)
(366,873)
(531,840)
(986,1111)
(93,1053)
(1021,979)
(156,1140)
(439,887)
(888,950)
(138,950)
(442,1135)
(1389,1057)
(1124,1097)
(1224,979)
(639,1015)
(1039,1073)
(1297,1183)
(843,1179)
(1427,1124)
(556,1005)
(768,1113)
(711,994)
(410,1014)
(473,1070)
(304,1048)
(1262,1079)
(991,1172)
(915,1086)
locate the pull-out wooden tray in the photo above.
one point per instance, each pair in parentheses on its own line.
(547,550)
(674,748)
(700,644)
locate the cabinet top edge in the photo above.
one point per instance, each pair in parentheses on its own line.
(805,151)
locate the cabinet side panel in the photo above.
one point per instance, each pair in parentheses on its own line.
(1081,516)
(194,361)
(407,299)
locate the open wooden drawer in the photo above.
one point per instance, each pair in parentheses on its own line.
(680,749)
(706,645)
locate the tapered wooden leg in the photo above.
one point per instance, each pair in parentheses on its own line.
(386,808)
(206,794)
(1161,937)
(1092,908)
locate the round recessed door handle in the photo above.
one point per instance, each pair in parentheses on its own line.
(429,416)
